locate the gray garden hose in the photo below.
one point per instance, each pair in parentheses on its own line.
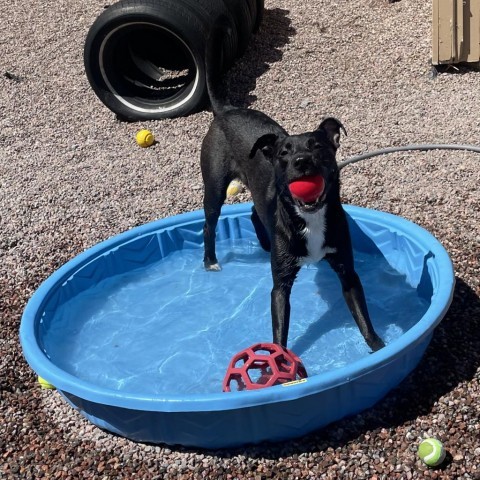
(423,147)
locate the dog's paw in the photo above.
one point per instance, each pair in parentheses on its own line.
(376,343)
(212,267)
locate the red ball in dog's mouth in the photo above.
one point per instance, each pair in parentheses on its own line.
(307,189)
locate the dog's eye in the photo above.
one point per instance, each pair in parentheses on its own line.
(313,145)
(286,149)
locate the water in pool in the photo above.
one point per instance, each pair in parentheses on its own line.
(172,328)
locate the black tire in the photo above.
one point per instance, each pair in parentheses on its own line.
(260,4)
(244,15)
(138,79)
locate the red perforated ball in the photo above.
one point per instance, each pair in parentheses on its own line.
(307,189)
(263,365)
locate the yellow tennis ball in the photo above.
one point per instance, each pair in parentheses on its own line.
(145,138)
(431,452)
(234,188)
(44,384)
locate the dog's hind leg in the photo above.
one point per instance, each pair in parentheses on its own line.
(212,204)
(216,182)
(261,231)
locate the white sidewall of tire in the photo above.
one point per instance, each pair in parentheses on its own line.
(133,106)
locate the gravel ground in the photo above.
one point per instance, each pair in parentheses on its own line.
(72,175)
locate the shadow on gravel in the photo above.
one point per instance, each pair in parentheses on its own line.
(453,357)
(264,49)
(454,69)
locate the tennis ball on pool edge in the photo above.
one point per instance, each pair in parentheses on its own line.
(431,452)
(145,138)
(44,384)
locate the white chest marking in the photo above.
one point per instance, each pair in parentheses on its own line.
(314,234)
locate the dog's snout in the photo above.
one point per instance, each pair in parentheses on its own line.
(302,162)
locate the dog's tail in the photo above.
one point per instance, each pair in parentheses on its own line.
(215,64)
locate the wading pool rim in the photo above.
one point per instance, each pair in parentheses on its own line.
(410,346)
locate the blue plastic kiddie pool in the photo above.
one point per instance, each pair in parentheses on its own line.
(137,336)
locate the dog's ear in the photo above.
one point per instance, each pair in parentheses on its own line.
(332,127)
(265,143)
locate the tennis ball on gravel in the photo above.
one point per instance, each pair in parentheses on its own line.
(145,138)
(44,384)
(431,452)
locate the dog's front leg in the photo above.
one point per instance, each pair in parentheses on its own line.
(355,299)
(281,314)
(284,272)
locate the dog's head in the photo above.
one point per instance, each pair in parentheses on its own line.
(308,157)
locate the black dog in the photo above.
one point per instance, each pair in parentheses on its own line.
(249,145)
